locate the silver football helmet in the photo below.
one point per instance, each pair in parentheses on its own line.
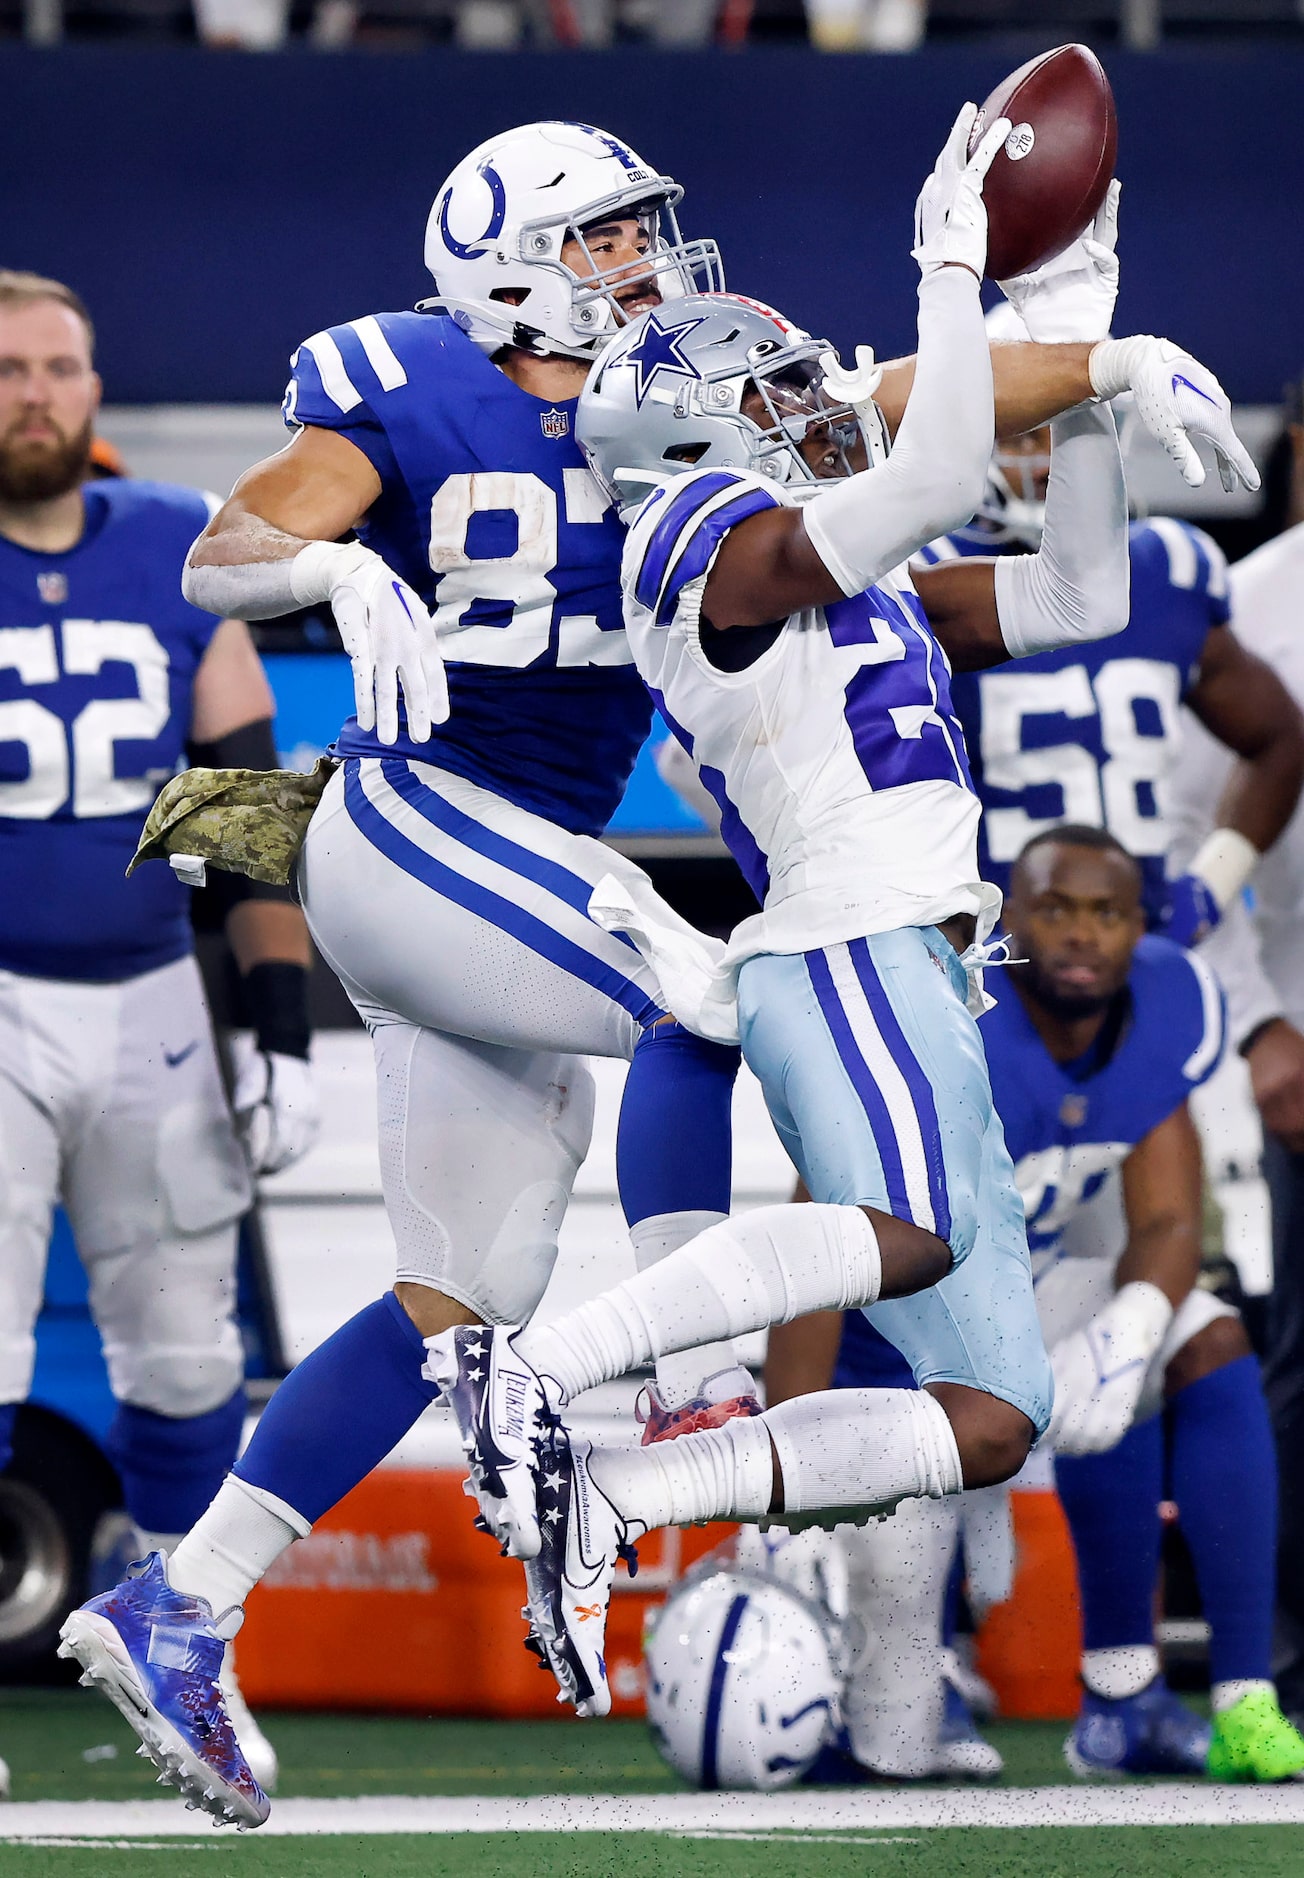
(499,223)
(720,381)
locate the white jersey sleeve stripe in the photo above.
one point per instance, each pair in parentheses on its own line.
(335,380)
(1210,1047)
(1183,562)
(380,354)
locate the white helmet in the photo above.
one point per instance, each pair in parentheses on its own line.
(743,1677)
(497,227)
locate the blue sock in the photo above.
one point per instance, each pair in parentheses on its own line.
(951,1602)
(1224,1480)
(340,1412)
(674,1146)
(8,1411)
(172,1465)
(1112,1505)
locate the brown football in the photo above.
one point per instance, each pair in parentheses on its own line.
(1050,178)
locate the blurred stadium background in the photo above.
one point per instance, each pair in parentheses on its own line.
(214,207)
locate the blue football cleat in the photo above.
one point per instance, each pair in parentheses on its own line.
(1149,1733)
(156,1655)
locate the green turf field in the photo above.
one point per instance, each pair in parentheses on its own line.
(57,1745)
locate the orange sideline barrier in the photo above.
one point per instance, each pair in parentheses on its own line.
(1029,1647)
(396,1602)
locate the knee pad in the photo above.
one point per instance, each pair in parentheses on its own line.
(171,1466)
(479,1151)
(178,1381)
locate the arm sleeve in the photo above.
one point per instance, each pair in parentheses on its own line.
(1077,586)
(933,480)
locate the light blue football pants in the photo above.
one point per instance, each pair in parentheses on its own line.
(875,1075)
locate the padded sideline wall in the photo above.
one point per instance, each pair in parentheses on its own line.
(214,209)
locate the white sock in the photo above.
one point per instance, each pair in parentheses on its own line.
(164,1542)
(897,1571)
(757,1269)
(684,1376)
(1225,1695)
(726,1473)
(865,1449)
(1125,1670)
(228,1550)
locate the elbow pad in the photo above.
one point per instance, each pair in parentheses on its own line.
(252,590)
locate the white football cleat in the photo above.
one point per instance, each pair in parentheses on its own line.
(502,1412)
(4,1780)
(568,1583)
(254,1745)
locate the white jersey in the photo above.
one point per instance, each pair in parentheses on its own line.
(835,758)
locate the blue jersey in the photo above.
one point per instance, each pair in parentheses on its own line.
(489,511)
(98,654)
(1070,1126)
(1089,733)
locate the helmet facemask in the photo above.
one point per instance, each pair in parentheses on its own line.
(1013,509)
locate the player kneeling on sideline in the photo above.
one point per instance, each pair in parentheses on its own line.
(111,1099)
(1094,1050)
(828,733)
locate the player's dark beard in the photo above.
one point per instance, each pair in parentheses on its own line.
(28,475)
(1064,1005)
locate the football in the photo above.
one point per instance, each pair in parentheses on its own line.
(1050,178)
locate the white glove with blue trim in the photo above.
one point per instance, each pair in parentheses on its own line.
(1177,399)
(1100,1371)
(1072,297)
(387,631)
(950,214)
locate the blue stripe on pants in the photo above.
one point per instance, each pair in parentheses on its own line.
(871,1096)
(491,907)
(917,1082)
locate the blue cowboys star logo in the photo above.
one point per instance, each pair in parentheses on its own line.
(658,350)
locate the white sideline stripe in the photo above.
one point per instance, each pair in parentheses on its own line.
(1188,1803)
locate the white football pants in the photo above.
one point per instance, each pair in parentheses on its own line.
(458,925)
(111,1101)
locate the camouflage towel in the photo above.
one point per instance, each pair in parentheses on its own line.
(248,821)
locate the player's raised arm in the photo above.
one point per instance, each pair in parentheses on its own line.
(851,534)
(1177,398)
(1076,587)
(274,547)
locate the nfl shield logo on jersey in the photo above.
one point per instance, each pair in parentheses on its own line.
(554,423)
(53,588)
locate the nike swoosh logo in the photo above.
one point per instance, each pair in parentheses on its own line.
(1179,380)
(173,1058)
(408,610)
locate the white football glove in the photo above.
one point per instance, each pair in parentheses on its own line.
(1100,1371)
(277,1110)
(387,632)
(1177,398)
(950,215)
(1072,297)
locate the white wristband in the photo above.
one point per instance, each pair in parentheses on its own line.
(316,569)
(1224,862)
(1112,363)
